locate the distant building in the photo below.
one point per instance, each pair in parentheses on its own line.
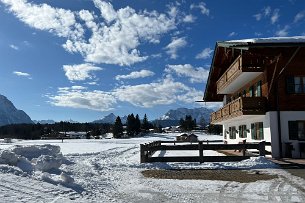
(187,138)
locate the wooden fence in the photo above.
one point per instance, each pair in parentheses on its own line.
(147,151)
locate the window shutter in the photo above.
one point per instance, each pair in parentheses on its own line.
(253,131)
(261,130)
(293,130)
(290,85)
(259,88)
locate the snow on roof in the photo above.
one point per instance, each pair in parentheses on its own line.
(294,39)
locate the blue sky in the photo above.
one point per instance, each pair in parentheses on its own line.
(83,59)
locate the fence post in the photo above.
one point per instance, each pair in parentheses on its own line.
(143,155)
(200,147)
(261,148)
(244,148)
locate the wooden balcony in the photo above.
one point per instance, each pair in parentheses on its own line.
(239,107)
(240,72)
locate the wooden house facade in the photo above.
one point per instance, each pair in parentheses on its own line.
(261,83)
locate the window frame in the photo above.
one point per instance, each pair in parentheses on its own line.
(291,85)
(257,131)
(232,132)
(243,131)
(294,130)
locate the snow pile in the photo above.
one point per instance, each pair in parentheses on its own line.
(34,151)
(252,163)
(8,157)
(46,163)
(34,157)
(66,178)
(256,163)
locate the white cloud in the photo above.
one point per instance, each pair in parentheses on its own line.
(206,53)
(22,74)
(44,17)
(203,8)
(117,40)
(136,74)
(75,97)
(283,32)
(266,12)
(163,92)
(116,34)
(173,47)
(80,72)
(189,18)
(299,16)
(258,16)
(195,75)
(275,16)
(14,47)
(232,34)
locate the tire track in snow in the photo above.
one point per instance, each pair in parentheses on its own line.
(27,189)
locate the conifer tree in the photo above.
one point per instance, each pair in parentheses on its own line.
(117,128)
(131,125)
(145,124)
(137,125)
(188,123)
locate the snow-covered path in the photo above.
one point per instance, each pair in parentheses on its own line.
(112,173)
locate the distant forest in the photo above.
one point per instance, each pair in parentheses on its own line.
(35,131)
(134,127)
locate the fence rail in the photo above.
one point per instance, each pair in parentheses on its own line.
(147,151)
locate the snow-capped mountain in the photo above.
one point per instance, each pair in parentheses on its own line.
(44,121)
(198,113)
(107,119)
(110,118)
(10,115)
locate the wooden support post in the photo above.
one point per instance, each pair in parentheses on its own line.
(261,148)
(143,154)
(200,147)
(244,148)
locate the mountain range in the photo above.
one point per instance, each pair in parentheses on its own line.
(172,117)
(110,118)
(9,114)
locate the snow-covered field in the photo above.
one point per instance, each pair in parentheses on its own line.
(108,170)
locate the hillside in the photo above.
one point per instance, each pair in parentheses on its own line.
(9,114)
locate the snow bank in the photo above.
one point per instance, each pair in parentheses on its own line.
(46,163)
(34,151)
(33,157)
(252,163)
(8,157)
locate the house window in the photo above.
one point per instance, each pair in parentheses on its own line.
(295,85)
(232,132)
(296,130)
(251,91)
(258,89)
(257,131)
(243,131)
(244,93)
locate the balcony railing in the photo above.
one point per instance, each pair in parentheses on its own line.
(242,63)
(239,107)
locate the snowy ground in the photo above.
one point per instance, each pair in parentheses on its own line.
(109,171)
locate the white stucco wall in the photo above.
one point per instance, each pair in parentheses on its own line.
(270,124)
(247,120)
(291,116)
